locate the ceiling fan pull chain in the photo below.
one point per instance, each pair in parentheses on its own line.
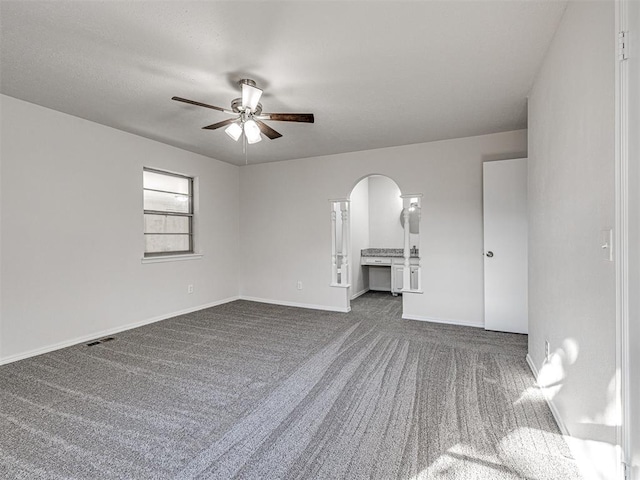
(244,148)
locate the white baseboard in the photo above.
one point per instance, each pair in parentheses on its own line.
(448,321)
(552,406)
(109,331)
(360,293)
(296,304)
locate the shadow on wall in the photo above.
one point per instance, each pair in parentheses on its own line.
(596,458)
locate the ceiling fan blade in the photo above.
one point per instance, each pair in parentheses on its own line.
(288,117)
(199,104)
(250,96)
(267,130)
(224,123)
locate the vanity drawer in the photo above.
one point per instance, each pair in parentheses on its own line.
(375,261)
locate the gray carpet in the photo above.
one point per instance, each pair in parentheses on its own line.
(255,391)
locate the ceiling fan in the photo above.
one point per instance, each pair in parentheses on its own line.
(248,116)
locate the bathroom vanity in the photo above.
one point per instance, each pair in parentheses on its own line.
(386,268)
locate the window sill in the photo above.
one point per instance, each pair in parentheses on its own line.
(172,258)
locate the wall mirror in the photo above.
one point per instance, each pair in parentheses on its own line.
(414,217)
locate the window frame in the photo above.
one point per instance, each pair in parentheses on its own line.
(189,215)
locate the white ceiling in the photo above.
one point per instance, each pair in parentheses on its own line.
(374,73)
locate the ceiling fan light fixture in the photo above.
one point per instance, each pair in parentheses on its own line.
(234,131)
(252,132)
(247,111)
(250,97)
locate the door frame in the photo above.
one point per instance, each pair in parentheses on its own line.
(343,205)
(627,182)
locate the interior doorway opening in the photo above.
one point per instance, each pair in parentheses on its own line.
(375,235)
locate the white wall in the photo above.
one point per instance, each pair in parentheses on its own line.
(359,210)
(71,237)
(385,205)
(571,199)
(277,251)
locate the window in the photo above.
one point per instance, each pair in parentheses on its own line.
(168,213)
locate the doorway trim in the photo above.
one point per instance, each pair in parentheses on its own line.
(341,207)
(340,274)
(626,235)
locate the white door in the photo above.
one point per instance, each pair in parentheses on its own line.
(505,245)
(398,278)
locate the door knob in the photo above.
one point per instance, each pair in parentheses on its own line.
(489,254)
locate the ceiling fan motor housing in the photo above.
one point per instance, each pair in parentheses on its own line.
(247,81)
(236,106)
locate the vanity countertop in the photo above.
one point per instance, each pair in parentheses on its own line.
(386,252)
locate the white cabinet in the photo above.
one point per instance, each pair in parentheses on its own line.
(397,278)
(414,277)
(387,273)
(397,274)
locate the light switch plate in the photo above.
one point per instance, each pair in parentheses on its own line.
(606,244)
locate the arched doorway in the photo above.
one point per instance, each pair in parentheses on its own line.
(375,238)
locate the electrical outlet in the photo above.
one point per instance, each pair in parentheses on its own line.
(547,350)
(189,289)
(299,285)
